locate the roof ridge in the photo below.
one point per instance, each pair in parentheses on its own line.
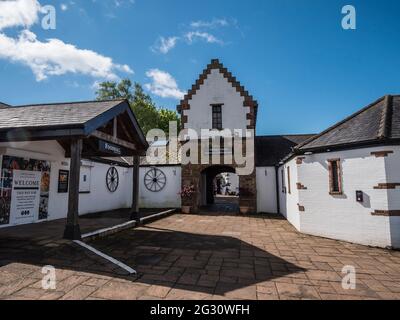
(67,103)
(286,135)
(341,122)
(384,125)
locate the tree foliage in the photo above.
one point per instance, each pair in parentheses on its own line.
(147,113)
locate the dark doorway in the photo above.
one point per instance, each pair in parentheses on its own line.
(218,194)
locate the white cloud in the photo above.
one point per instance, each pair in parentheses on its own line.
(64,7)
(18,13)
(54,57)
(163,84)
(164,45)
(210,24)
(209,38)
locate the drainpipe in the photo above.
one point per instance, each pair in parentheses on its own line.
(278,205)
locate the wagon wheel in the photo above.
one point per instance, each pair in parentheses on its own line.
(155,180)
(112,179)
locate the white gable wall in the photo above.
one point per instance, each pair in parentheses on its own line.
(217,90)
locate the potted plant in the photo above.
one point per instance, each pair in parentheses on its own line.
(187,193)
(244,195)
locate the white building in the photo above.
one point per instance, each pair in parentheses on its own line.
(342,184)
(63,160)
(345,182)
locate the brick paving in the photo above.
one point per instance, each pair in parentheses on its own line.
(201,257)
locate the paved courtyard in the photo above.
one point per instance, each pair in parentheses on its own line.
(201,257)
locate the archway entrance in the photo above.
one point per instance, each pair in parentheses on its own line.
(220,189)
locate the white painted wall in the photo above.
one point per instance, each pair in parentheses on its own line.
(168,197)
(266,190)
(99,198)
(392,163)
(216,89)
(289,201)
(342,217)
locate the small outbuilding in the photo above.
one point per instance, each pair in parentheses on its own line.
(345,182)
(65,159)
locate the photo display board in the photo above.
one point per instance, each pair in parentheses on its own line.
(24,190)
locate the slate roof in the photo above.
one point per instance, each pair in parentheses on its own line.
(379,122)
(53,115)
(270,150)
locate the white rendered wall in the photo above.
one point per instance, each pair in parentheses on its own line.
(168,197)
(99,198)
(289,201)
(217,90)
(392,163)
(266,190)
(342,217)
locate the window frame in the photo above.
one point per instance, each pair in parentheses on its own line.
(283,180)
(288,177)
(216,117)
(339,175)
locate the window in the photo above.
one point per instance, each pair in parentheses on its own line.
(288,179)
(217,117)
(335,177)
(283,181)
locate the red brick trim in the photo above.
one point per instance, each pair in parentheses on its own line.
(248,99)
(299,160)
(387,186)
(340,177)
(381,154)
(386,213)
(301,208)
(301,187)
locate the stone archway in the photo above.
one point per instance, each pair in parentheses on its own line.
(207,182)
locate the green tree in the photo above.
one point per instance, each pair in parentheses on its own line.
(144,109)
(165,117)
(147,113)
(110,90)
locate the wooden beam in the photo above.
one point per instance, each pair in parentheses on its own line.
(106,137)
(72,229)
(135,215)
(115,127)
(124,128)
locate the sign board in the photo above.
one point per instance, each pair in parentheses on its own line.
(110,148)
(25,197)
(63,181)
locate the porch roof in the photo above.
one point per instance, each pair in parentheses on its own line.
(64,121)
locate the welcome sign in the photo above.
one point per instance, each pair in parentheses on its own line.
(25,197)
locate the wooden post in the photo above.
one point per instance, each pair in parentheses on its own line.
(72,229)
(135,214)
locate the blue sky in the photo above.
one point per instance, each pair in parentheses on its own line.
(294,57)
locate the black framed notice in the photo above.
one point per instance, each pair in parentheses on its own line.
(63,180)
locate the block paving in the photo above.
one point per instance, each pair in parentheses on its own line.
(213,257)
